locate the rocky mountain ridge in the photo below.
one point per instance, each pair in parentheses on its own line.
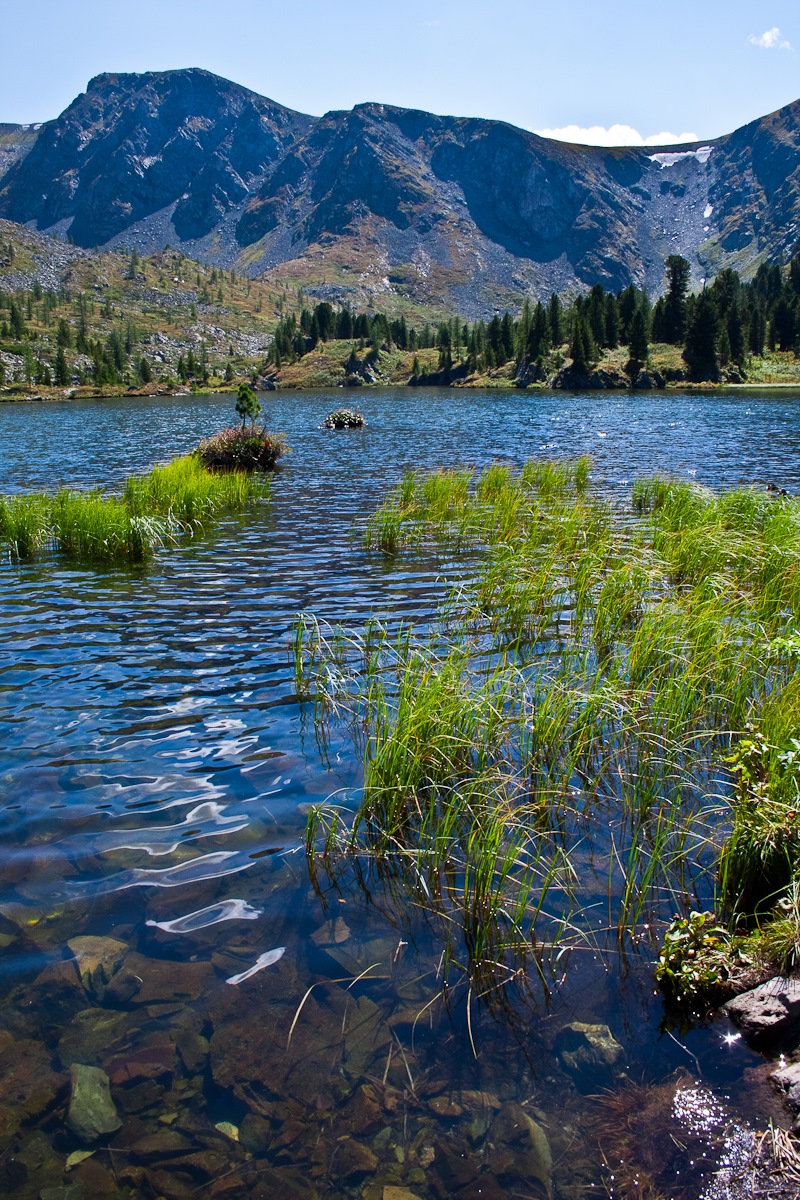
(467,212)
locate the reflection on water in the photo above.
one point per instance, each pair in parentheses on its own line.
(155,772)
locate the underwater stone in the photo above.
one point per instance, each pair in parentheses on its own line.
(56,995)
(193,1050)
(67,1191)
(354,1161)
(164,981)
(90,1036)
(587,1049)
(364,1113)
(122,988)
(28,1085)
(527,1150)
(144,1095)
(98,958)
(148,1062)
(164,1143)
(788,1078)
(767,1011)
(91,1112)
(255,1134)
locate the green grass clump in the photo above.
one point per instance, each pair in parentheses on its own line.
(455,510)
(190,493)
(25,524)
(89,526)
(152,510)
(611,692)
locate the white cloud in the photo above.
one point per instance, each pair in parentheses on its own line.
(614,135)
(771,39)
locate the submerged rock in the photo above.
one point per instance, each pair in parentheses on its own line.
(28,1084)
(164,981)
(91,1112)
(56,995)
(355,1161)
(768,1011)
(98,958)
(91,1035)
(521,1147)
(66,1191)
(122,988)
(788,1079)
(588,1050)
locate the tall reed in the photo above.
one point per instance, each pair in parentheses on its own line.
(153,509)
(593,694)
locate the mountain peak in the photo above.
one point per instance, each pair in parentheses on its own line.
(475,212)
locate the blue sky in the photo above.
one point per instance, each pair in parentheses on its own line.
(699,67)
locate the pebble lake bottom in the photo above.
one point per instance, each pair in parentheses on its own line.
(183,1013)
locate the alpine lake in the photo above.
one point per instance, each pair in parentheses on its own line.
(157,768)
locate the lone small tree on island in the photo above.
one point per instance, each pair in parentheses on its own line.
(248,406)
(243,447)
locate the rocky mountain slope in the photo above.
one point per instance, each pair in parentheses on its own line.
(357,205)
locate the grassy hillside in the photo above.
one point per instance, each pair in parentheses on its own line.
(129,325)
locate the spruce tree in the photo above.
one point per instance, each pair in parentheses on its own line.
(597,314)
(556,318)
(539,334)
(701,351)
(248,406)
(611,321)
(675,316)
(583,351)
(62,368)
(637,346)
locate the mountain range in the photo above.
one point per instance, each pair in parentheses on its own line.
(357,205)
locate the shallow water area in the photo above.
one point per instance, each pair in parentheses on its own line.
(156,770)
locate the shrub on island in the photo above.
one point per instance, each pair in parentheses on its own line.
(241,449)
(344,418)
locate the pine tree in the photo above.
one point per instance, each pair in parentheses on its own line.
(675,316)
(627,303)
(583,351)
(597,314)
(735,332)
(556,318)
(247,404)
(16,322)
(757,332)
(612,322)
(62,368)
(701,351)
(539,334)
(638,348)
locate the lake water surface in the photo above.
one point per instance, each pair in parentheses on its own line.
(156,769)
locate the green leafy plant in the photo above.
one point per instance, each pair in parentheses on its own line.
(695,960)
